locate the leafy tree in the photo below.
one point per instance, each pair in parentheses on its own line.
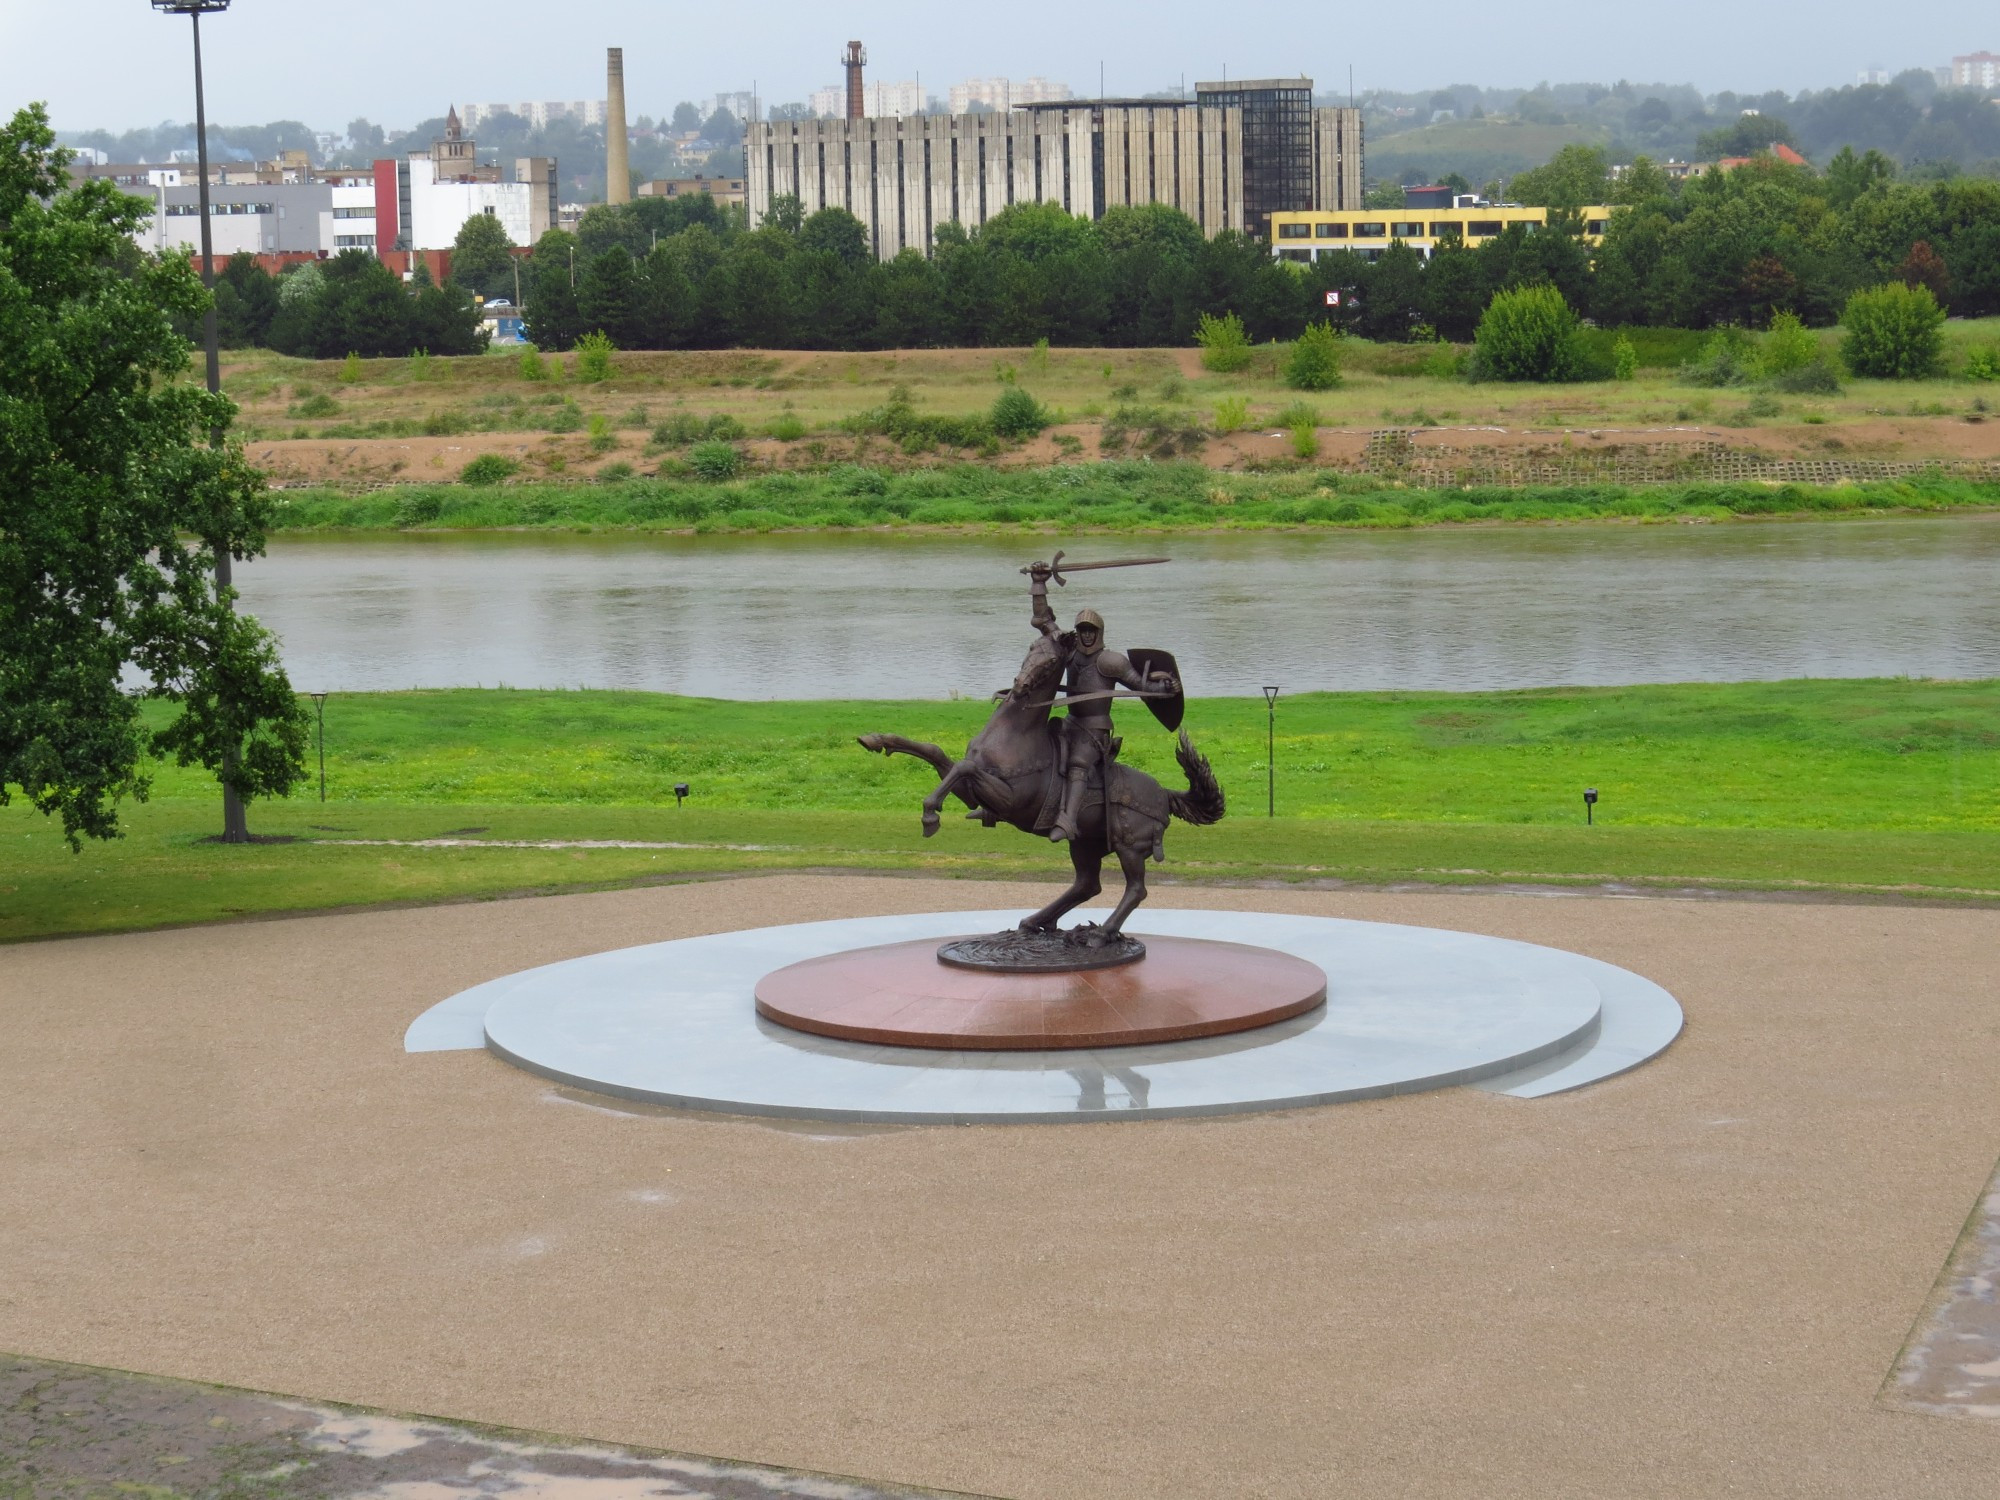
(443,318)
(1383,194)
(1530,333)
(1574,177)
(551,318)
(1849,176)
(246,300)
(1789,346)
(1456,291)
(786,213)
(686,118)
(838,233)
(480,258)
(610,299)
(1894,332)
(1392,299)
(117,508)
(1924,267)
(1641,182)
(1745,136)
(364,136)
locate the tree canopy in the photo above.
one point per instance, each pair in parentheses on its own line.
(117,508)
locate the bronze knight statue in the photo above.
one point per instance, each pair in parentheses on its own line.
(1062,776)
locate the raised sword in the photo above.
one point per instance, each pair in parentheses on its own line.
(1057,568)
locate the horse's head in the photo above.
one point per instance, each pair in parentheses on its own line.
(1040,670)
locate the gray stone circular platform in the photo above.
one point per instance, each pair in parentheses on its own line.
(1408,1008)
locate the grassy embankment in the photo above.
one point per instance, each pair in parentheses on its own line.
(1876,787)
(812,422)
(1086,498)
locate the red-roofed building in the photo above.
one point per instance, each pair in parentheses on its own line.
(1776,151)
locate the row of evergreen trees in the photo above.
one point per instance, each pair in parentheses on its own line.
(1729,248)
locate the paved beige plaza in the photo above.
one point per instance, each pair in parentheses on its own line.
(216,1161)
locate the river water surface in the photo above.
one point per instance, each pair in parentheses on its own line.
(881,616)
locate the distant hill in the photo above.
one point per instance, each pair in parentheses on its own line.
(1477,150)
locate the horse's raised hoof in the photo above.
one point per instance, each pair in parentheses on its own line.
(931,822)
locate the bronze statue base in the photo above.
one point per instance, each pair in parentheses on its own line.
(901,995)
(1017,951)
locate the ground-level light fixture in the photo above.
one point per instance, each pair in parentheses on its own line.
(1589,804)
(1270,751)
(680,792)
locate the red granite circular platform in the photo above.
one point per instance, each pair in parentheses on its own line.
(900,995)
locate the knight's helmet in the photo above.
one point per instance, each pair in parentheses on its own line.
(1093,618)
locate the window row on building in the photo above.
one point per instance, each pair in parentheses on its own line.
(1304,237)
(1229,159)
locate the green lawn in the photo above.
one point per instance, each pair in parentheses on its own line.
(1853,785)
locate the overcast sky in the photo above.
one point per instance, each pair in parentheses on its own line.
(116,64)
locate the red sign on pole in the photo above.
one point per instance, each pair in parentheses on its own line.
(1333,299)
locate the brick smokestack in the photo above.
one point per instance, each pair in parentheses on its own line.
(854,62)
(617,162)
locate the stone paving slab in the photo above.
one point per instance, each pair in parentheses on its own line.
(76,1431)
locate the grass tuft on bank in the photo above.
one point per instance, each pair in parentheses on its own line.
(1888,787)
(1119,496)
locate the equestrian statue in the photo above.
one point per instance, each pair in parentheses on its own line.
(1061,776)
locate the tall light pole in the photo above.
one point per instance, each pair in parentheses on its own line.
(235,823)
(1270,751)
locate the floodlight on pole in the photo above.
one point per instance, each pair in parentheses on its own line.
(235,822)
(1270,751)
(319,699)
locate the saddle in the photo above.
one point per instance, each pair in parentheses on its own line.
(1052,786)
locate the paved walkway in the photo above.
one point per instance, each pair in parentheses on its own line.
(216,1163)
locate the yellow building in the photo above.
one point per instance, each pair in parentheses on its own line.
(1306,236)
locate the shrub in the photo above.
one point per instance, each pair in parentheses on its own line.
(1983,364)
(787,428)
(1039,355)
(566,418)
(1156,432)
(1624,359)
(1894,332)
(1298,414)
(1173,388)
(419,509)
(593,357)
(1789,346)
(1818,378)
(1305,440)
(614,473)
(533,366)
(1529,333)
(421,365)
(1016,414)
(1225,347)
(488,468)
(722,427)
(682,428)
(602,438)
(446,423)
(715,461)
(319,404)
(1232,414)
(636,417)
(350,369)
(1726,358)
(1314,361)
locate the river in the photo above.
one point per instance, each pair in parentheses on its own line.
(882,616)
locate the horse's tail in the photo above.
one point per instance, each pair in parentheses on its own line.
(1202,802)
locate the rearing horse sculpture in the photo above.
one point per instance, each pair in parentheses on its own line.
(1010,774)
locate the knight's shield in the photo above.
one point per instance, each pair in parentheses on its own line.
(1147,660)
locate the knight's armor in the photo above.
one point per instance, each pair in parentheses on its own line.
(1090,668)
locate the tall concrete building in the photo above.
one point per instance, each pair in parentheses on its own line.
(1229,158)
(617,148)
